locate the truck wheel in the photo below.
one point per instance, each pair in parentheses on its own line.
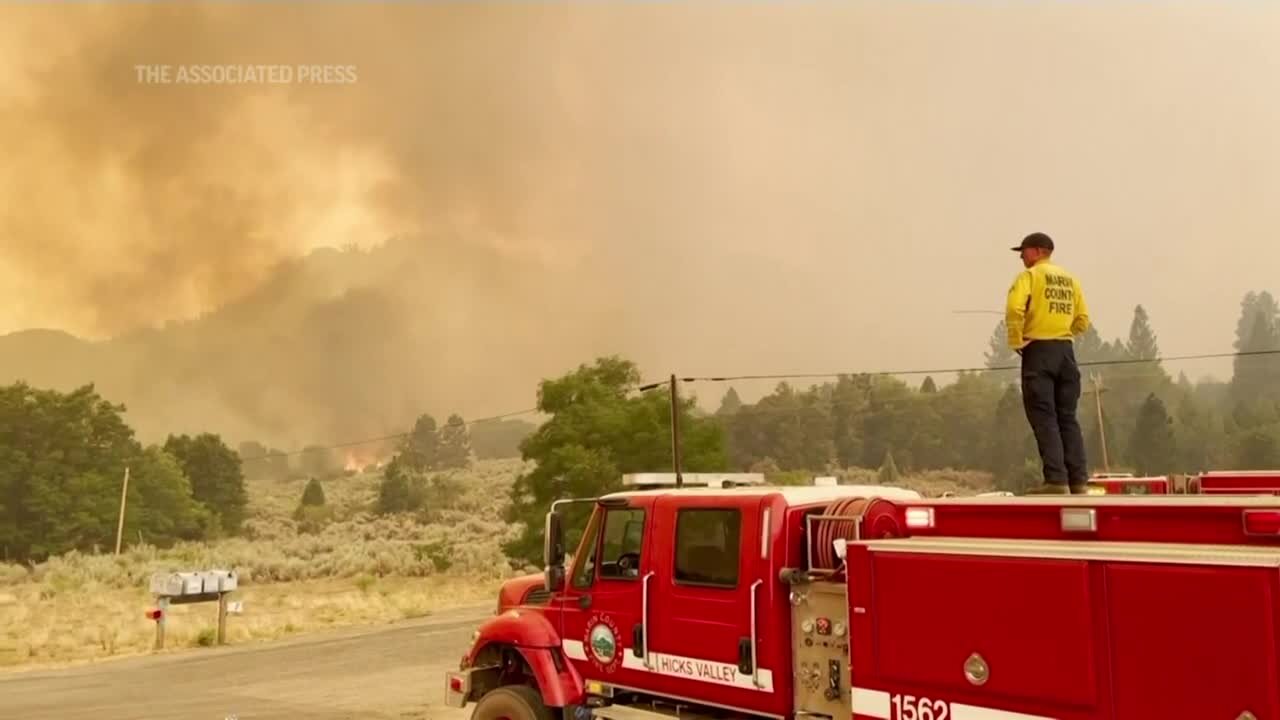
(511,702)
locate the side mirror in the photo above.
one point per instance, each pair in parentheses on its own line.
(554,579)
(553,551)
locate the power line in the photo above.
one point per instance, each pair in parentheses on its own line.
(396,436)
(384,438)
(944,371)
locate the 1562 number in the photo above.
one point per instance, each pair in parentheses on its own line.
(910,707)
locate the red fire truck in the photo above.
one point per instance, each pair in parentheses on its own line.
(863,603)
(1235,482)
(1217,482)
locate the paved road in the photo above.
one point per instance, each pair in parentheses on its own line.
(386,673)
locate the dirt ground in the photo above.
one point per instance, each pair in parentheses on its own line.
(386,673)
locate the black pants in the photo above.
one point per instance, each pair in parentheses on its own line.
(1050,393)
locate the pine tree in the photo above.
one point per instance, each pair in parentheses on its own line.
(1090,346)
(889,474)
(421,448)
(730,403)
(313,494)
(1256,377)
(454,451)
(999,354)
(928,387)
(1142,343)
(1251,306)
(1152,447)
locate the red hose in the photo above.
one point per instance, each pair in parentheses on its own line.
(878,518)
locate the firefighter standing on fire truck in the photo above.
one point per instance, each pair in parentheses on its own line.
(1045,311)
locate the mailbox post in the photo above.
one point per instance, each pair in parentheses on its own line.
(182,588)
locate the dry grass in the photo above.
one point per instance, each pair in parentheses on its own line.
(359,569)
(103,622)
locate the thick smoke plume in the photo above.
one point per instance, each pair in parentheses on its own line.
(707,188)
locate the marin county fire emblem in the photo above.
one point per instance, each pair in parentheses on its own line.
(602,643)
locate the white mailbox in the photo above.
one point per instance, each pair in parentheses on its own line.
(218,581)
(193,583)
(166,584)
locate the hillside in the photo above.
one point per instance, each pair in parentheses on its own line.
(334,346)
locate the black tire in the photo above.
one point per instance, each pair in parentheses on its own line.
(511,702)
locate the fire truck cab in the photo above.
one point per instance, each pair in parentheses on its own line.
(861,602)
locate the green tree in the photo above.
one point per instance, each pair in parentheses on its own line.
(62,459)
(794,428)
(599,430)
(62,462)
(454,449)
(849,399)
(160,507)
(889,474)
(887,422)
(1256,377)
(1090,347)
(313,494)
(1010,445)
(1142,343)
(421,447)
(216,478)
(1152,447)
(928,387)
(999,354)
(730,403)
(1199,436)
(393,491)
(1258,448)
(964,409)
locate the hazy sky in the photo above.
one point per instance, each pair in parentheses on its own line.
(727,186)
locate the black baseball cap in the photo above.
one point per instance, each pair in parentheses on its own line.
(1035,240)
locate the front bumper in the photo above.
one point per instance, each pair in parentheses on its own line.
(457,688)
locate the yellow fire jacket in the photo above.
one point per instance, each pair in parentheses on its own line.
(1045,303)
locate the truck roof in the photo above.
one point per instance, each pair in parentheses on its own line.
(1120,500)
(792,495)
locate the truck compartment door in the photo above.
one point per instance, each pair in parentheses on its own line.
(1193,642)
(962,627)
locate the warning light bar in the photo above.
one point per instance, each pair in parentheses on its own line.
(1262,522)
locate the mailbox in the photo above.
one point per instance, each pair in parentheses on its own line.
(193,583)
(167,584)
(181,588)
(218,581)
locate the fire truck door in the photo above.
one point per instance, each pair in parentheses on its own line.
(709,573)
(601,612)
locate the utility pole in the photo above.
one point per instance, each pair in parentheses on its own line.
(675,431)
(1102,433)
(124,495)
